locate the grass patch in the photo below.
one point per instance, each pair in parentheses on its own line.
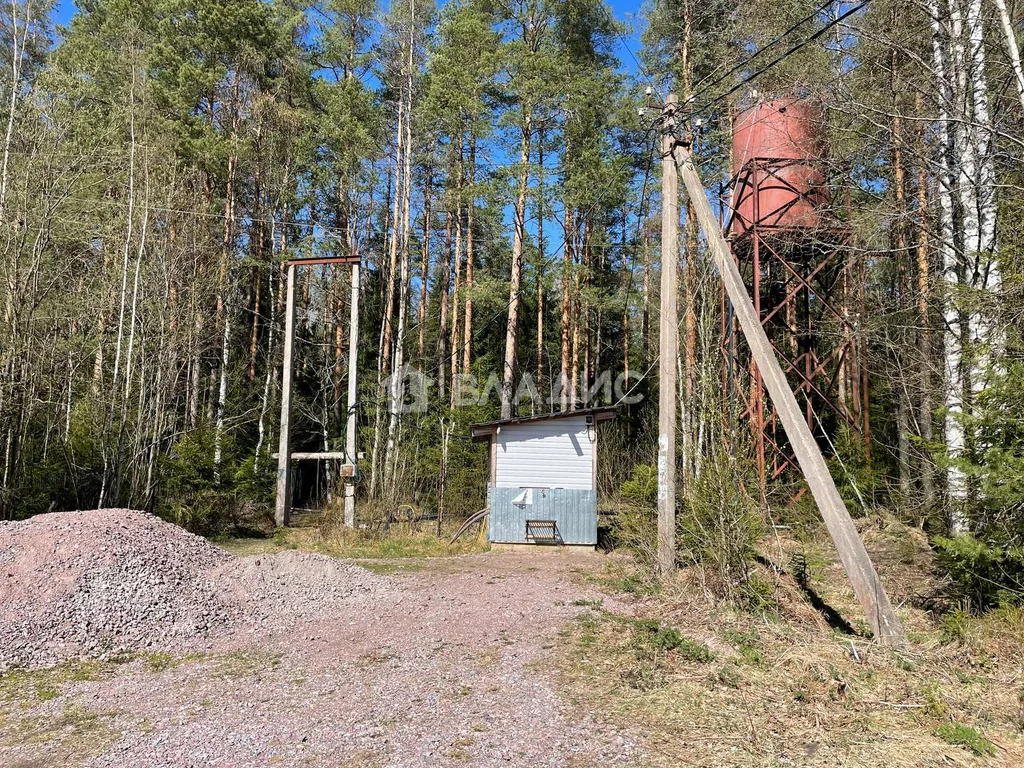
(621,578)
(161,662)
(239,664)
(390,567)
(399,542)
(747,644)
(27,688)
(74,733)
(966,737)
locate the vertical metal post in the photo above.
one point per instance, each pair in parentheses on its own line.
(668,344)
(757,398)
(353,393)
(283,504)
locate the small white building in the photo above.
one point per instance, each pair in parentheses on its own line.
(543,481)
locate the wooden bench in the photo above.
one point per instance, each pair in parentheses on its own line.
(543,531)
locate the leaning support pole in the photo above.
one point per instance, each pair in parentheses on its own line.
(282,506)
(863,577)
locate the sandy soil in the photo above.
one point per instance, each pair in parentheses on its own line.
(453,664)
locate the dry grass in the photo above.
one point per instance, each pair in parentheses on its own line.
(404,540)
(785,688)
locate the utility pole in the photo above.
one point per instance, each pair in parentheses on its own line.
(283,503)
(884,622)
(668,343)
(353,392)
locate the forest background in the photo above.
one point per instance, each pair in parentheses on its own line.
(494,165)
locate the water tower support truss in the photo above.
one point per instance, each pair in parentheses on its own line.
(808,289)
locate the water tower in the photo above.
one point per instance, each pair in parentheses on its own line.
(807,287)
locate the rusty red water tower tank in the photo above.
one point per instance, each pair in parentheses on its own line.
(778,149)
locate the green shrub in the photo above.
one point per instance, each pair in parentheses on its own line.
(966,737)
(747,645)
(194,495)
(954,626)
(651,639)
(719,530)
(635,529)
(984,574)
(642,487)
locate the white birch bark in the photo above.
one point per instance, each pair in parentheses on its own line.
(265,399)
(955,479)
(135,300)
(397,372)
(17,61)
(981,133)
(130,228)
(222,393)
(1012,48)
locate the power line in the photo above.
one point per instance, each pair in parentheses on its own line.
(763,49)
(779,59)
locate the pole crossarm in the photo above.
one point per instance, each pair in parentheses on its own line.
(866,585)
(316,455)
(322,260)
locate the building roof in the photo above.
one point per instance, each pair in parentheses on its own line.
(486,429)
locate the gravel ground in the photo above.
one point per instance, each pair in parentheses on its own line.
(293,659)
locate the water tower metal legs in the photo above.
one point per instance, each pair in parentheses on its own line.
(796,281)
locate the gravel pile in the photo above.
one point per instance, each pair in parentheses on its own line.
(105,582)
(296,585)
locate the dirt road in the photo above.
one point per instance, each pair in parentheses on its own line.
(453,666)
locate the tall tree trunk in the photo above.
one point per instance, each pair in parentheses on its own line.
(271,366)
(956,481)
(516,272)
(256,244)
(985,273)
(384,342)
(540,263)
(17,62)
(924,340)
(454,345)
(424,266)
(467,324)
(1012,49)
(442,332)
(645,318)
(396,217)
(223,311)
(899,243)
(627,284)
(567,260)
(398,370)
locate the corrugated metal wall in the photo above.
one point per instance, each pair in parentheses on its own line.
(546,454)
(574,512)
